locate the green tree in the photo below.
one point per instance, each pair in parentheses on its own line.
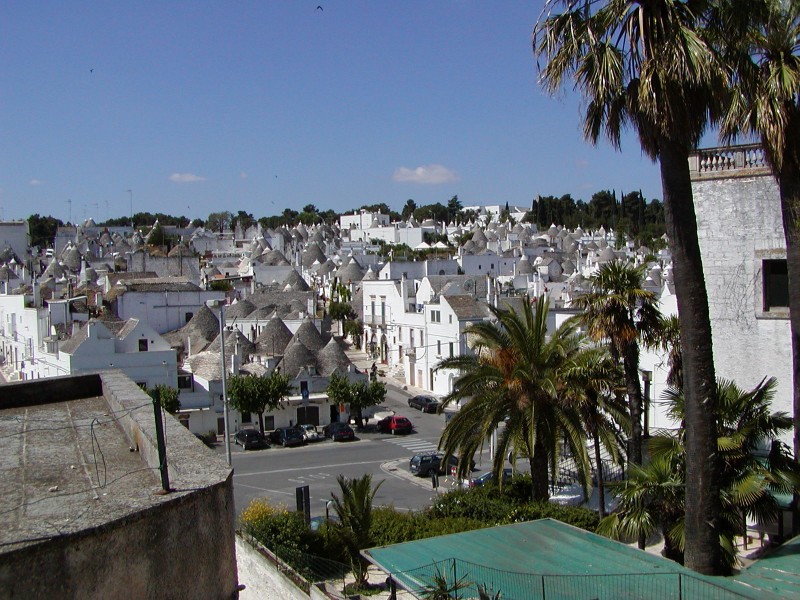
(408,209)
(654,496)
(618,311)
(341,311)
(167,397)
(43,230)
(252,394)
(219,221)
(358,394)
(243,219)
(644,65)
(354,509)
(760,40)
(453,209)
(592,381)
(516,377)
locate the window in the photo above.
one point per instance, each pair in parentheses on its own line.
(439,347)
(269,422)
(188,317)
(142,345)
(247,417)
(450,319)
(775,282)
(451,349)
(185,382)
(436,316)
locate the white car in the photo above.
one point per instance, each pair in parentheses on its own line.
(310,433)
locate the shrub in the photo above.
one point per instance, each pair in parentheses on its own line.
(282,531)
(484,504)
(392,527)
(582,518)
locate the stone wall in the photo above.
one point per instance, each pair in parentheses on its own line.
(261,578)
(175,545)
(739,223)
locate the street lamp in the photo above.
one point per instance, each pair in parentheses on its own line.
(647,377)
(220,304)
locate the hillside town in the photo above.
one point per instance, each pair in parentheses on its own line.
(322,301)
(404,301)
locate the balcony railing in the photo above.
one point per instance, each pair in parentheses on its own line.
(375,319)
(728,160)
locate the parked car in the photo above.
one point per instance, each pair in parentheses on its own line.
(395,424)
(287,436)
(424,464)
(339,432)
(427,404)
(250,439)
(487,478)
(310,432)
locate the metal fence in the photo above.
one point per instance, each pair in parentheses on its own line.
(462,580)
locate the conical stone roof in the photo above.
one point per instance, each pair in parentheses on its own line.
(274,338)
(308,334)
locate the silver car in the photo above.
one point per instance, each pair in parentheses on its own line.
(310,433)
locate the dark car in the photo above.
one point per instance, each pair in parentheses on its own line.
(250,439)
(395,424)
(424,464)
(287,436)
(427,404)
(339,432)
(488,478)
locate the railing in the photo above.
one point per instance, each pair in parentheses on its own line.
(375,319)
(510,585)
(724,160)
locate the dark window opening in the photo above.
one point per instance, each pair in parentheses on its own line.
(775,284)
(184,382)
(189,316)
(142,345)
(247,417)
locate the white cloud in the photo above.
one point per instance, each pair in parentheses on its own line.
(185,178)
(427,174)
(36,182)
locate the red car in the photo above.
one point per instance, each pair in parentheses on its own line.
(395,424)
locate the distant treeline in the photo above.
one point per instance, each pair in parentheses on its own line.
(631,215)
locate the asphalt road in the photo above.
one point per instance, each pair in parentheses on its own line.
(274,473)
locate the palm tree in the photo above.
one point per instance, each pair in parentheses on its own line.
(643,65)
(653,496)
(592,381)
(354,509)
(620,311)
(516,378)
(669,342)
(764,56)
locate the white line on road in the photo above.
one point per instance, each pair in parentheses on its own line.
(315,467)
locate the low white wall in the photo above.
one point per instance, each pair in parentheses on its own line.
(263,580)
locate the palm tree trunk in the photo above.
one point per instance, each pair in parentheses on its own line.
(702,551)
(539,473)
(601,488)
(789,185)
(630,362)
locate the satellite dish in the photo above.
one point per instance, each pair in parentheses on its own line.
(469,285)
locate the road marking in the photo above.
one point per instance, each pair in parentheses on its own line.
(414,445)
(315,467)
(260,489)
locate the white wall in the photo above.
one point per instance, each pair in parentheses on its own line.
(739,220)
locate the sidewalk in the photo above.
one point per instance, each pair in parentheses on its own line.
(363,363)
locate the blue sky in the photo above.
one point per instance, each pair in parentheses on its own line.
(203,106)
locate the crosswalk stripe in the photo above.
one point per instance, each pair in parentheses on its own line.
(413,444)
